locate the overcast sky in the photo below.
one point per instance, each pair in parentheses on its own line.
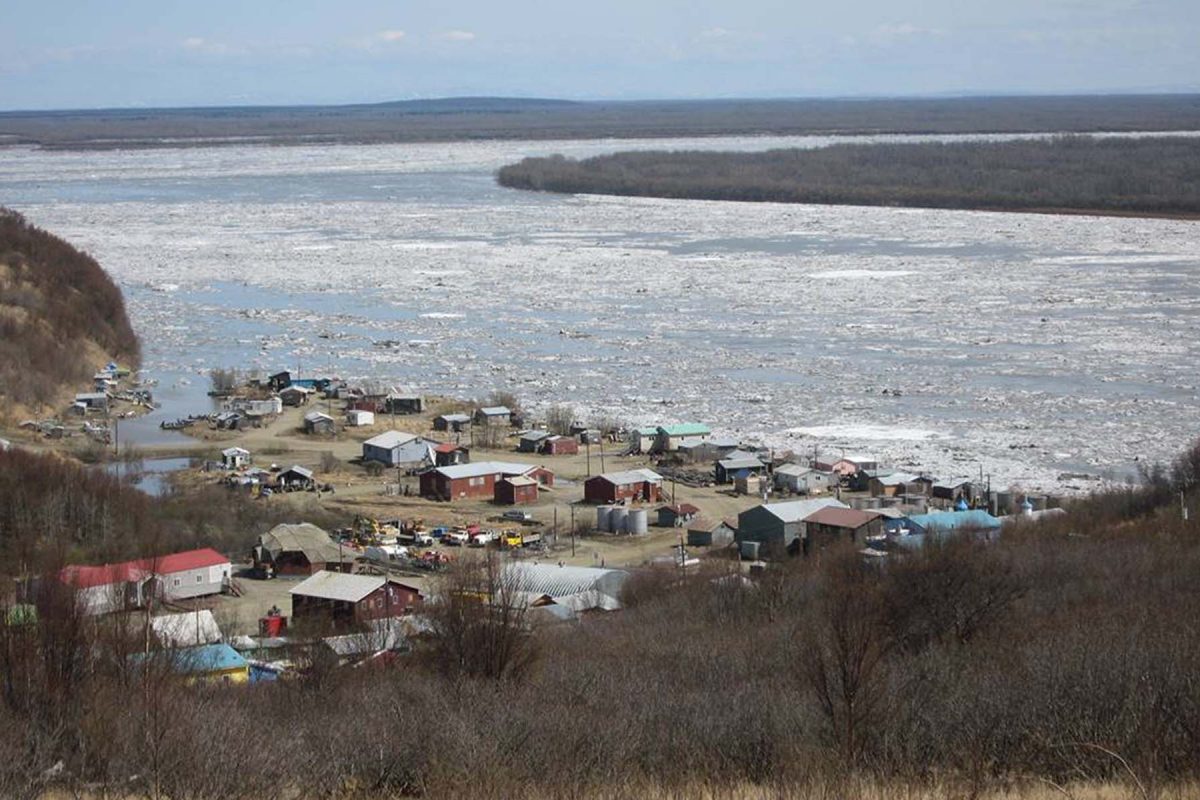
(86,54)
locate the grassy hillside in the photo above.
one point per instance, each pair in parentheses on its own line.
(1151,176)
(60,316)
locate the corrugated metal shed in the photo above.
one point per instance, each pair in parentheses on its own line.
(338,586)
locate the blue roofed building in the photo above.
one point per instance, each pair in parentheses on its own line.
(940,524)
(206,663)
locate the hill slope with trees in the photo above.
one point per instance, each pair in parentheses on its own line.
(61,316)
(1153,176)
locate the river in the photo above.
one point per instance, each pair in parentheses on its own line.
(1030,347)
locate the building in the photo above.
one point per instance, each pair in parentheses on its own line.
(617,487)
(360,418)
(643,440)
(799,479)
(676,516)
(295,395)
(516,490)
(780,526)
(895,484)
(472,481)
(703,532)
(712,449)
(403,402)
(940,524)
(846,466)
(296,479)
(132,584)
(670,437)
(494,415)
(832,524)
(738,464)
(319,423)
(92,401)
(953,489)
(580,589)
(399,449)
(453,423)
(298,549)
(350,600)
(280,381)
(448,454)
(189,629)
(531,441)
(559,446)
(207,663)
(235,458)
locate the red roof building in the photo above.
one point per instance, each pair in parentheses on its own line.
(131,584)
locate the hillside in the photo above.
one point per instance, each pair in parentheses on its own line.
(61,316)
(1144,176)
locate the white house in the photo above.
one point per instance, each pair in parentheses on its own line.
(235,458)
(131,584)
(803,480)
(357,418)
(399,449)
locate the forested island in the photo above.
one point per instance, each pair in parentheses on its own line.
(1152,176)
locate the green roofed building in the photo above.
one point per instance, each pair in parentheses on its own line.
(670,437)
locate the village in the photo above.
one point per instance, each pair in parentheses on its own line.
(569,511)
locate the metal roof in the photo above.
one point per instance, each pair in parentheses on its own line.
(235,451)
(536,436)
(386,441)
(494,411)
(841,517)
(741,462)
(481,468)
(316,416)
(521,480)
(304,538)
(186,630)
(797,510)
(580,588)
(455,417)
(338,586)
(955,520)
(796,470)
(631,476)
(205,658)
(299,470)
(685,429)
(897,478)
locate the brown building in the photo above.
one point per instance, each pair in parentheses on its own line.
(832,523)
(560,446)
(301,549)
(351,599)
(470,481)
(615,487)
(515,491)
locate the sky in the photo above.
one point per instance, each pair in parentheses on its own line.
(144,53)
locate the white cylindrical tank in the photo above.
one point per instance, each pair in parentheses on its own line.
(618,518)
(604,518)
(638,521)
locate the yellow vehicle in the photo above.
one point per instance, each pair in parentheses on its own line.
(515,539)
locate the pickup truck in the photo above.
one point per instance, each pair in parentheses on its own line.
(456,538)
(483,538)
(517,516)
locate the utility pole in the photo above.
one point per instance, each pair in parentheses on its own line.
(601,455)
(588,448)
(572,531)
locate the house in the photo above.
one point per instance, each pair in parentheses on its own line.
(953,489)
(707,450)
(319,424)
(350,600)
(298,549)
(831,524)
(780,526)
(454,423)
(644,440)
(799,479)
(207,663)
(617,487)
(559,446)
(296,479)
(93,401)
(703,532)
(295,395)
(846,466)
(895,484)
(228,420)
(399,449)
(189,629)
(531,441)
(516,490)
(132,584)
(358,418)
(280,381)
(670,437)
(493,415)
(676,516)
(235,458)
(403,402)
(738,464)
(939,524)
(447,454)
(471,481)
(580,589)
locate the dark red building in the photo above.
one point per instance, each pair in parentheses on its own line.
(615,487)
(560,446)
(470,481)
(516,491)
(351,599)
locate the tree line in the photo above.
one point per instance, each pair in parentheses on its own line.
(1153,176)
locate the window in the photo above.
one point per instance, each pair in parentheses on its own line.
(176,581)
(199,579)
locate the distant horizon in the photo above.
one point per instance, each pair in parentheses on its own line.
(596,100)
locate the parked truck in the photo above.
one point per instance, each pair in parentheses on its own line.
(515,539)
